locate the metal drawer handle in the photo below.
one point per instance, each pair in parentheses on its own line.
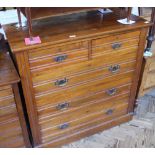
(111,91)
(60,58)
(62,82)
(114,68)
(116,45)
(62,106)
(63,126)
(109,111)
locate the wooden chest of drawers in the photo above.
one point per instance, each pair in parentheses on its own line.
(13,130)
(82,78)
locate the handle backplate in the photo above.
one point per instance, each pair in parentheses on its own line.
(116,45)
(114,68)
(61,82)
(60,58)
(111,91)
(63,126)
(62,106)
(109,111)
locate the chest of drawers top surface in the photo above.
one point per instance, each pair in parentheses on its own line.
(70,28)
(8,73)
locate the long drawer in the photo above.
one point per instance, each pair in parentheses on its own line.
(103,61)
(67,107)
(59,124)
(65,95)
(69,81)
(101,121)
(84,111)
(57,49)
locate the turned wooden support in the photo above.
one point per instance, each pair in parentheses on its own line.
(29,21)
(2,42)
(150,37)
(19,17)
(129,14)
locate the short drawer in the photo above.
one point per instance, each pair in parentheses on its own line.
(66,95)
(118,40)
(69,81)
(60,59)
(106,49)
(103,61)
(57,49)
(59,55)
(57,125)
(66,107)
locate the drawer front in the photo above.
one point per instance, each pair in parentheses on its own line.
(60,59)
(85,111)
(115,39)
(49,135)
(106,49)
(82,90)
(54,50)
(66,107)
(103,61)
(11,134)
(84,115)
(68,81)
(5,102)
(10,128)
(5,93)
(59,55)
(7,105)
(8,110)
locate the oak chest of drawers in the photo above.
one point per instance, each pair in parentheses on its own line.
(82,78)
(13,130)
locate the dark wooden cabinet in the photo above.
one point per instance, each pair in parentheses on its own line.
(13,130)
(82,78)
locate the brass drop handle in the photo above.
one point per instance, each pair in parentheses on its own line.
(63,126)
(114,68)
(60,58)
(61,82)
(111,91)
(62,106)
(116,46)
(109,111)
